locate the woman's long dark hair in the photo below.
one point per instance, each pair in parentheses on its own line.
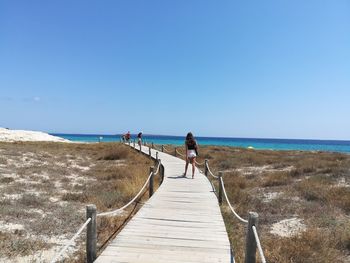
(190,138)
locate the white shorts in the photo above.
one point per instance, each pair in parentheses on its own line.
(191,153)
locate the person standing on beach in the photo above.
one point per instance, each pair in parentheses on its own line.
(139,138)
(191,153)
(128,136)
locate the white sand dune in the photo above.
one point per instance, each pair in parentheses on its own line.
(7,135)
(288,227)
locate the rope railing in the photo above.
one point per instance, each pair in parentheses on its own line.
(117,211)
(166,150)
(90,223)
(179,153)
(252,241)
(202,163)
(183,155)
(125,221)
(69,243)
(157,170)
(257,240)
(157,148)
(222,186)
(214,176)
(229,204)
(91,239)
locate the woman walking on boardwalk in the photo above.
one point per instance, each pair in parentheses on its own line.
(139,138)
(191,152)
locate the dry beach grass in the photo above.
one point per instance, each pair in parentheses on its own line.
(46,186)
(302,198)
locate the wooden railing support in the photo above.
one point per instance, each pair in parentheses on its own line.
(151,190)
(175,151)
(220,188)
(91,234)
(250,249)
(161,172)
(206,167)
(152,145)
(157,156)
(162,148)
(149,152)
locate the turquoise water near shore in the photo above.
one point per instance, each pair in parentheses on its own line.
(266,144)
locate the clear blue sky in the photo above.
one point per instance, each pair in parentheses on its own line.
(273,69)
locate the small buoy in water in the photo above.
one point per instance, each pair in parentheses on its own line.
(250,147)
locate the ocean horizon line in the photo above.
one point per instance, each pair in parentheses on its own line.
(203,137)
(256,143)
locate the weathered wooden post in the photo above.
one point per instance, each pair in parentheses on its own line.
(175,151)
(156,156)
(152,145)
(149,152)
(151,169)
(220,188)
(162,148)
(206,167)
(91,234)
(250,249)
(161,171)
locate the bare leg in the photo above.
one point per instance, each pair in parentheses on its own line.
(193,166)
(186,166)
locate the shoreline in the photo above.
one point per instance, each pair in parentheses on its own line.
(256,144)
(336,146)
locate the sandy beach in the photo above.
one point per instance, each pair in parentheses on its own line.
(8,135)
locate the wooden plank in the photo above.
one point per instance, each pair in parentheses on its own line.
(181,222)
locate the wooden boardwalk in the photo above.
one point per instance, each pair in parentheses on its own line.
(181,222)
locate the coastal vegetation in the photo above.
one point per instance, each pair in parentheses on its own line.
(45,187)
(302,198)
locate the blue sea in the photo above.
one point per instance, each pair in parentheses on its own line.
(266,144)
